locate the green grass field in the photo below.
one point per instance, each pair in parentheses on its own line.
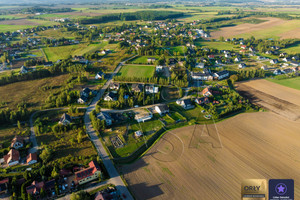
(216,45)
(63,52)
(292,50)
(138,71)
(291,82)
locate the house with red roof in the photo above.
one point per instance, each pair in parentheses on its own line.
(12,158)
(86,175)
(31,158)
(35,187)
(206,92)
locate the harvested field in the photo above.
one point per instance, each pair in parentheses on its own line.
(181,166)
(282,100)
(19,22)
(290,34)
(272,28)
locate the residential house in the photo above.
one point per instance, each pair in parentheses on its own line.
(106,117)
(65,119)
(24,70)
(286,59)
(186,103)
(85,92)
(205,75)
(277,72)
(35,188)
(150,89)
(288,70)
(151,60)
(162,109)
(202,100)
(100,75)
(12,158)
(143,116)
(135,87)
(221,74)
(260,58)
(31,158)
(206,92)
(86,175)
(103,196)
(244,47)
(17,142)
(283,54)
(199,65)
(242,65)
(80,59)
(274,61)
(252,49)
(227,55)
(237,59)
(82,99)
(172,61)
(4,186)
(295,58)
(158,68)
(295,64)
(138,134)
(114,86)
(110,97)
(218,62)
(264,67)
(50,186)
(211,56)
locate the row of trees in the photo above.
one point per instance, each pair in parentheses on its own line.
(139,15)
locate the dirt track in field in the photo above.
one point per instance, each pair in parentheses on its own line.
(210,162)
(246,28)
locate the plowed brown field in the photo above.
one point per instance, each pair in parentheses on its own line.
(248,146)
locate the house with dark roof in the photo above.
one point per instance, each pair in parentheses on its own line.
(82,99)
(136,87)
(4,186)
(151,89)
(86,175)
(186,103)
(162,109)
(17,142)
(221,74)
(86,92)
(65,119)
(242,65)
(24,70)
(110,97)
(106,117)
(50,185)
(12,157)
(205,75)
(100,75)
(274,61)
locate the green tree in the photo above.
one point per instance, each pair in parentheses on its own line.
(46,155)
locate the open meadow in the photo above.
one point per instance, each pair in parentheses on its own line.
(182,166)
(138,71)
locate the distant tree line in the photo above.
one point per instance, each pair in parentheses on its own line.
(139,15)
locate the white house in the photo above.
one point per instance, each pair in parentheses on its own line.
(24,70)
(205,75)
(99,75)
(138,134)
(158,68)
(186,103)
(143,116)
(221,74)
(200,65)
(162,109)
(242,65)
(274,61)
(151,89)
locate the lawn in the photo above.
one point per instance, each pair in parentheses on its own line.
(291,82)
(292,50)
(216,45)
(137,71)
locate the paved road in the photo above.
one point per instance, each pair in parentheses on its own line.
(112,171)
